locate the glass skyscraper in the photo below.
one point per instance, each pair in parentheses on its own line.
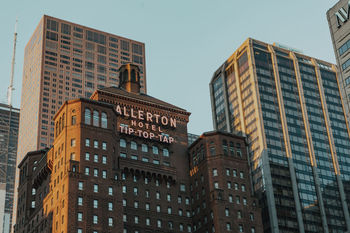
(9,119)
(290,108)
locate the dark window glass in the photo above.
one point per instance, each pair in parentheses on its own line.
(51,36)
(95,37)
(65,28)
(124,45)
(52,25)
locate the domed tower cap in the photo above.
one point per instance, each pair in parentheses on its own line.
(129,78)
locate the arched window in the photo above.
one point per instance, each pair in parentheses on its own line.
(155,150)
(122,143)
(87,116)
(56,128)
(60,125)
(133,145)
(62,121)
(104,120)
(96,118)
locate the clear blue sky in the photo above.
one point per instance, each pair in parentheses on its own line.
(186,40)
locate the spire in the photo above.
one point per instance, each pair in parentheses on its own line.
(129,78)
(10,88)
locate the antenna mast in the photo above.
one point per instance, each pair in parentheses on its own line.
(10,88)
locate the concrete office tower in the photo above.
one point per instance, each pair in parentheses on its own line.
(118,164)
(289,106)
(64,61)
(339,27)
(9,119)
(223,200)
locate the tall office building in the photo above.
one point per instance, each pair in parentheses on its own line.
(338,17)
(289,106)
(9,119)
(64,61)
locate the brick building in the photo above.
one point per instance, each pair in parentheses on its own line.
(222,194)
(119,163)
(33,187)
(119,150)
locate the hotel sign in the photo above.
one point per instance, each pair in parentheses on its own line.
(145,124)
(342,15)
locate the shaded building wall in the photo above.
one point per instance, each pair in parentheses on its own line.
(221,188)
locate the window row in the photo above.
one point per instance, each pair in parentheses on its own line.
(94,219)
(147,194)
(95,204)
(95,144)
(96,158)
(145,159)
(228,173)
(158,223)
(144,147)
(98,119)
(95,188)
(95,172)
(169,210)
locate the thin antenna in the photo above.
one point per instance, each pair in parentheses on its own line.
(10,88)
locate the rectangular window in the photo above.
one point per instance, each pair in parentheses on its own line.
(80,185)
(95,219)
(95,188)
(110,206)
(346,64)
(144,148)
(95,172)
(80,216)
(182,188)
(74,120)
(95,204)
(104,145)
(104,159)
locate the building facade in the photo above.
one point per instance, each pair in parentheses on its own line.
(221,186)
(337,18)
(118,164)
(289,106)
(9,121)
(33,187)
(63,61)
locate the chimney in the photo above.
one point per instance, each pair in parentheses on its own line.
(129,78)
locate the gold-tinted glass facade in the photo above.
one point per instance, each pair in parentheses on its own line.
(289,106)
